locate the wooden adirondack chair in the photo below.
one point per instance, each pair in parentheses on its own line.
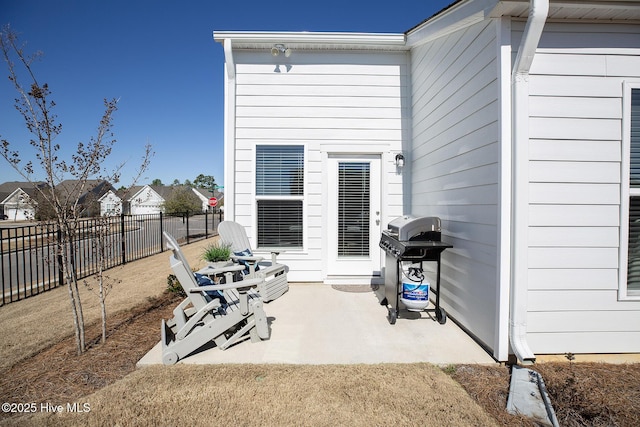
(201,318)
(274,274)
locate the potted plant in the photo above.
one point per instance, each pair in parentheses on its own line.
(217,254)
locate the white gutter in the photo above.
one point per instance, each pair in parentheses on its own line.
(538,11)
(318,38)
(229,131)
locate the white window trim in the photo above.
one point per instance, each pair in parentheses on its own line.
(302,197)
(626,192)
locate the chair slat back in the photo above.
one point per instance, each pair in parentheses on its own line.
(183,272)
(235,235)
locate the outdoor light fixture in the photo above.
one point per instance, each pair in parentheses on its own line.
(400,160)
(280,48)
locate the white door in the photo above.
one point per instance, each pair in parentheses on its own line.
(353,215)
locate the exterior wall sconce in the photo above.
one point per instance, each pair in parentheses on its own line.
(399,160)
(277,49)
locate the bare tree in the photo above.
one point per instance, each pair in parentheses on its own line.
(102,244)
(85,166)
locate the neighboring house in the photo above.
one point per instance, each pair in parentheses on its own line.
(87,193)
(150,199)
(517,121)
(110,204)
(145,199)
(17,200)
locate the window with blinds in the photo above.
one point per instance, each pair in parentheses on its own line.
(279,195)
(353,209)
(279,170)
(280,223)
(633,268)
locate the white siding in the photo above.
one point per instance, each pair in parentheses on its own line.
(146,201)
(455,167)
(19,206)
(110,204)
(575,194)
(353,102)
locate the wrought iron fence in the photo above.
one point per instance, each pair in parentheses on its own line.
(30,262)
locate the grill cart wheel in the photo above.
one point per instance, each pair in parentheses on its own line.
(393,315)
(441,315)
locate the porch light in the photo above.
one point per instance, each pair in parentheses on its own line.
(400,160)
(277,49)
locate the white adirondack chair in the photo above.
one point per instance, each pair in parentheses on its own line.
(200,318)
(274,274)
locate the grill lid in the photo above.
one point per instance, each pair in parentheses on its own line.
(408,226)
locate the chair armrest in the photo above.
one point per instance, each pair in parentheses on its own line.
(250,259)
(211,271)
(242,285)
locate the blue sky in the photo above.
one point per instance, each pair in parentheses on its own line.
(159,58)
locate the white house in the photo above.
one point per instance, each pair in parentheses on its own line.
(517,120)
(20,205)
(145,200)
(17,200)
(110,204)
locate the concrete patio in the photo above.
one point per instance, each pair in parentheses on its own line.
(323,324)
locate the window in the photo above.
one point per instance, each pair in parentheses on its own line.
(632,136)
(279,195)
(353,209)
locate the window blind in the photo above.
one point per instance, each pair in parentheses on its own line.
(279,223)
(279,170)
(353,209)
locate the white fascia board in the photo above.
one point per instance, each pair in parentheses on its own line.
(458,16)
(381,40)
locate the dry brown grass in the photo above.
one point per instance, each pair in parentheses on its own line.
(38,364)
(280,395)
(582,394)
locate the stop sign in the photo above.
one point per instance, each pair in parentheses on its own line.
(213,202)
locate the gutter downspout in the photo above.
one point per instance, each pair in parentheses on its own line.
(229,131)
(538,11)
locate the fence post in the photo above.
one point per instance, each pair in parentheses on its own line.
(187,215)
(4,290)
(123,244)
(161,231)
(60,249)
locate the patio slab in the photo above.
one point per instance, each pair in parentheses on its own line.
(315,323)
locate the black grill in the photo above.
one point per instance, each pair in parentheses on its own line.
(411,239)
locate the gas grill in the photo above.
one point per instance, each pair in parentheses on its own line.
(410,240)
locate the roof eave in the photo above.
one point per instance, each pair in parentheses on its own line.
(464,13)
(251,39)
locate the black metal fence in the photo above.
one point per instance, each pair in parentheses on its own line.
(30,264)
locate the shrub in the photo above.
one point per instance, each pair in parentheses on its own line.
(174,286)
(217,252)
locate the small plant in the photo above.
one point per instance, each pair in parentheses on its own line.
(449,369)
(174,286)
(217,252)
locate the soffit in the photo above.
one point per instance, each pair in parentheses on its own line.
(603,10)
(314,40)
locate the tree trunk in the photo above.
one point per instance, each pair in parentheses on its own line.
(65,246)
